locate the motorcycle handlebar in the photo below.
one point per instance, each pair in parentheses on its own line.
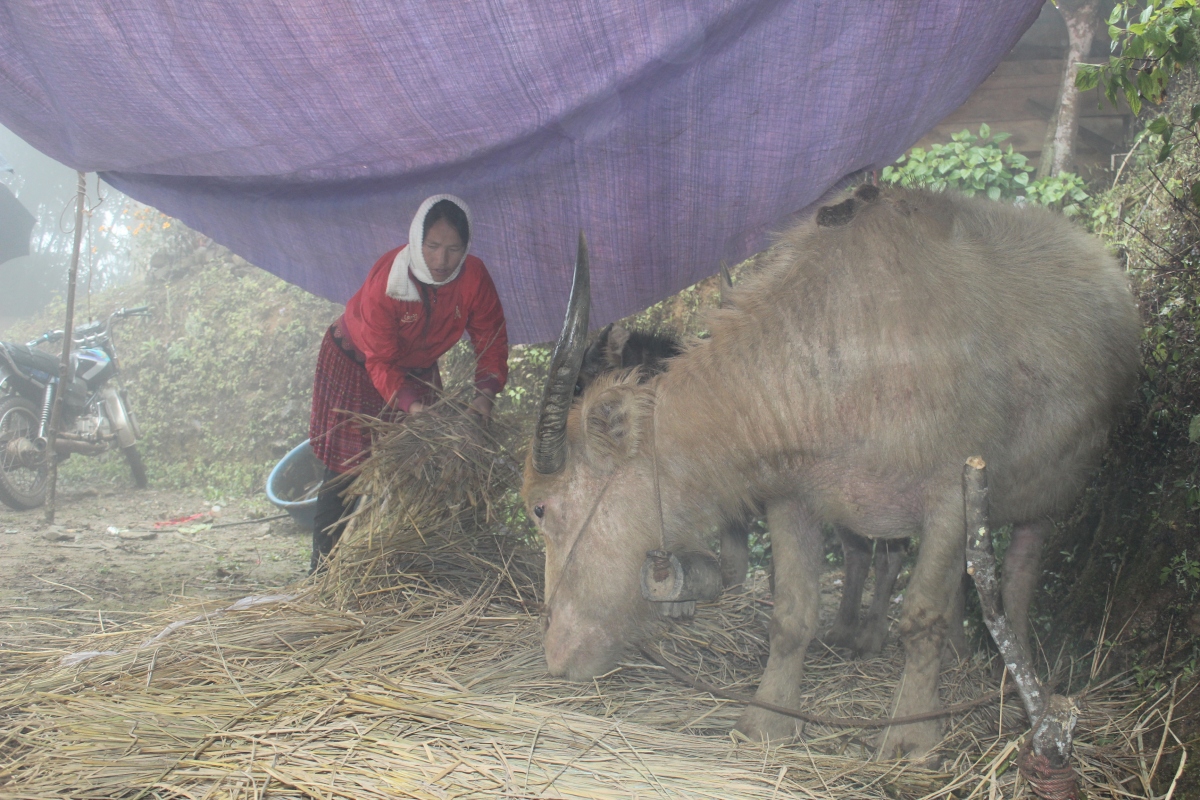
(91,328)
(49,336)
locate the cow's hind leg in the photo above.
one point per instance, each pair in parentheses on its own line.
(796,547)
(889,559)
(1022,570)
(923,624)
(856,555)
(735,552)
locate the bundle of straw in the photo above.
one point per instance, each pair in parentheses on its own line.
(439,488)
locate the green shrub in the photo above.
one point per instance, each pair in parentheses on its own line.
(979,165)
(1065,192)
(971,164)
(1152,41)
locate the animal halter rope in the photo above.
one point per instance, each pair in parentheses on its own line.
(662,525)
(579,535)
(833,722)
(599,497)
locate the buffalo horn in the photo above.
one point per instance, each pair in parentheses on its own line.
(550,440)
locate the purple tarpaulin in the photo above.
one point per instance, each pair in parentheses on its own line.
(304,133)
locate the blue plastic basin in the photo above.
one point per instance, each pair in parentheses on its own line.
(296,470)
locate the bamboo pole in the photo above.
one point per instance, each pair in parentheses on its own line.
(64,366)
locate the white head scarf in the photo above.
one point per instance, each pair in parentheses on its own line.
(410,262)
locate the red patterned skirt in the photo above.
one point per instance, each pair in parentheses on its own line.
(342,388)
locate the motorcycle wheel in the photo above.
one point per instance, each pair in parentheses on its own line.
(21,486)
(136,465)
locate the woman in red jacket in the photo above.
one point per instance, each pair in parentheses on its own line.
(380,357)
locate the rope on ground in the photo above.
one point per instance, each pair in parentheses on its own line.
(815,719)
(1048,782)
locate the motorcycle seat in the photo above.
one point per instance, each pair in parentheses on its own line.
(37,364)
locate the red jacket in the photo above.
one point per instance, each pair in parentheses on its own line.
(393,336)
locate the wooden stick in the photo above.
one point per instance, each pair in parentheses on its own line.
(981,566)
(64,367)
(1053,717)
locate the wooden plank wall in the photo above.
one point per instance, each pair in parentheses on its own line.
(1020,95)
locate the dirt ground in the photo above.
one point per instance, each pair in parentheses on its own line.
(105,554)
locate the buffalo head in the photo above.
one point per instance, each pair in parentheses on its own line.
(590,488)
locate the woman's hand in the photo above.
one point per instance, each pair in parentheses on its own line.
(482,405)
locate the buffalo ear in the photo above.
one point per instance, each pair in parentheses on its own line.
(595,359)
(614,346)
(612,423)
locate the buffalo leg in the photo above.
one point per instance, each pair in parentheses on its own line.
(923,624)
(889,558)
(856,553)
(1022,570)
(735,552)
(956,637)
(796,547)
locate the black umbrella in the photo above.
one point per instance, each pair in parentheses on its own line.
(16,223)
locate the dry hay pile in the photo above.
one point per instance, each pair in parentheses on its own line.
(413,668)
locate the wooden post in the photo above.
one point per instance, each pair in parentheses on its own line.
(1046,765)
(64,366)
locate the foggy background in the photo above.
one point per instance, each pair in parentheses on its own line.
(116,232)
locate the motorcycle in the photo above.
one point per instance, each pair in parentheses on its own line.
(94,417)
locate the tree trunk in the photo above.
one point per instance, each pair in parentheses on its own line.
(1048,145)
(1080,16)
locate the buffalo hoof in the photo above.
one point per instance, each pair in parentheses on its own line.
(760,725)
(869,643)
(914,741)
(860,642)
(841,637)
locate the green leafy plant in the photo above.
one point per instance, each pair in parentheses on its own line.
(1153,217)
(979,165)
(1151,42)
(1183,571)
(759,543)
(1065,192)
(969,163)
